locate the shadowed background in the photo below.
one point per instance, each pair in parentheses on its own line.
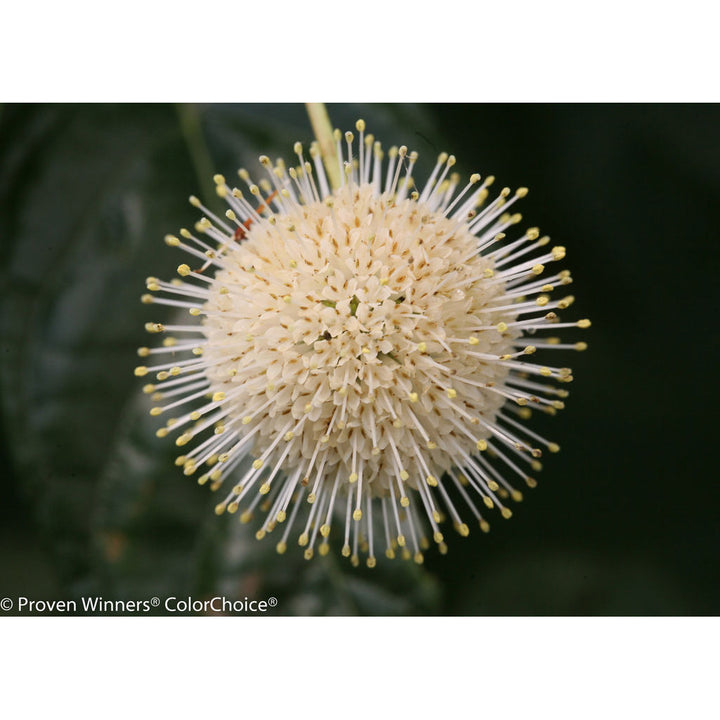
(624,519)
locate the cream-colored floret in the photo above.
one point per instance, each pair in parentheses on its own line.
(351,317)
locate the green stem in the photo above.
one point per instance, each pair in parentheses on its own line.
(202,162)
(320,121)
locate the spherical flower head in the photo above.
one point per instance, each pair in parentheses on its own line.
(361,359)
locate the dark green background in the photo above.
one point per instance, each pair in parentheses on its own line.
(625,518)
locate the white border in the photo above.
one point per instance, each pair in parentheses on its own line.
(365,667)
(320,50)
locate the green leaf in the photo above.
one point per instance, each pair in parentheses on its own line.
(85,201)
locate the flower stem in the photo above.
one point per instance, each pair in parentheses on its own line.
(320,121)
(191,128)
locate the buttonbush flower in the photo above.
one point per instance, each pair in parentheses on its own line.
(363,357)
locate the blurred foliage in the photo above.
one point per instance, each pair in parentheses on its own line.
(89,192)
(93,503)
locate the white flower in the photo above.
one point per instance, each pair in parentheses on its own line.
(362,358)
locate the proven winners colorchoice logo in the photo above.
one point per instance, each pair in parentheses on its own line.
(91,605)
